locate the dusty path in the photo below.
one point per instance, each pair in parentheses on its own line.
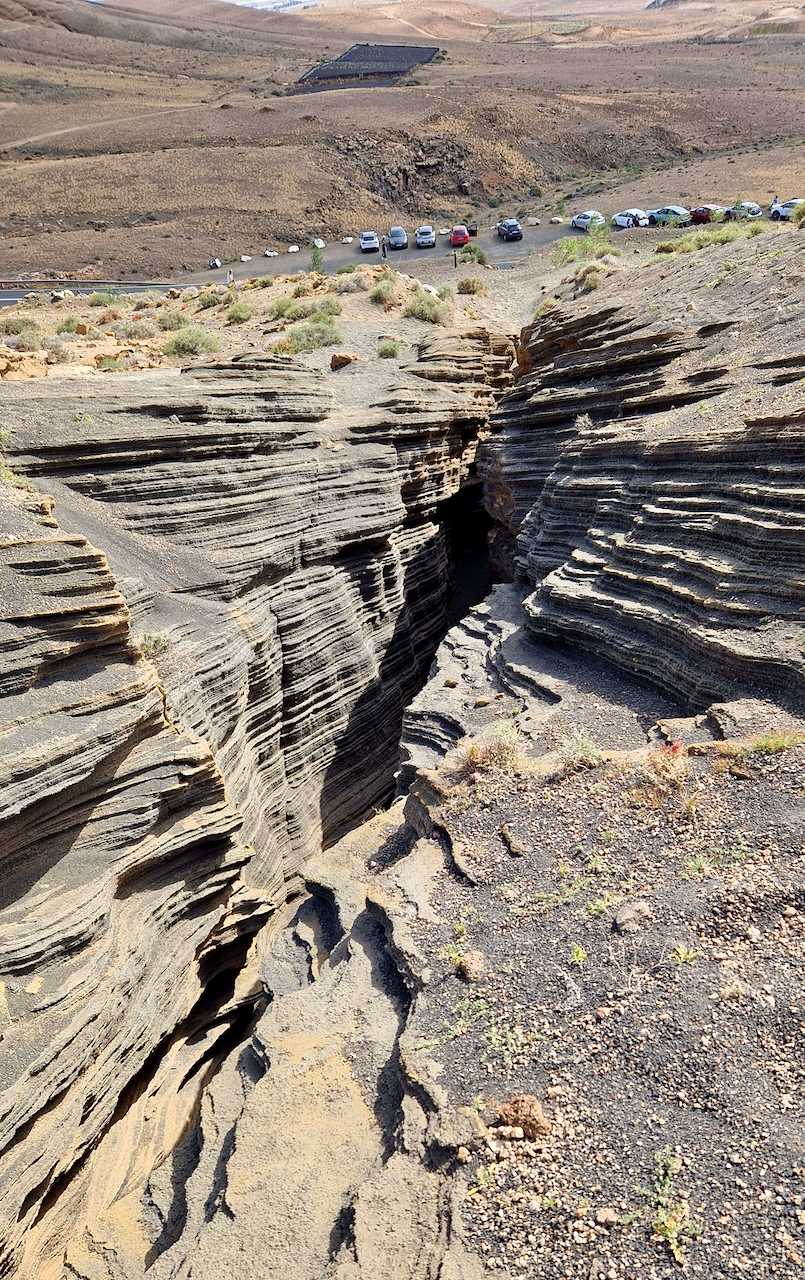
(97,124)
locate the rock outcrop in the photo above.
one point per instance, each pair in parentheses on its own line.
(205,667)
(649,484)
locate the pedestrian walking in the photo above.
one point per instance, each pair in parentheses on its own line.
(383,247)
(230,277)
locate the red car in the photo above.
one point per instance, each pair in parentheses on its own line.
(459,236)
(707,213)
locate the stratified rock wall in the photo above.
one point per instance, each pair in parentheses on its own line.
(188,712)
(649,484)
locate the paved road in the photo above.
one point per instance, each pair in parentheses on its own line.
(10,293)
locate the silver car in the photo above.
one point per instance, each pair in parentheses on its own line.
(425,237)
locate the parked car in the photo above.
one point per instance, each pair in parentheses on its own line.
(708,213)
(671,215)
(630,218)
(424,237)
(397,238)
(369,242)
(782,210)
(746,209)
(590,218)
(510,229)
(459,236)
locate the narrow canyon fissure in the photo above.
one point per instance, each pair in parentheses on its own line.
(236,603)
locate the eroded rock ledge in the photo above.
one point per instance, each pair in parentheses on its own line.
(205,665)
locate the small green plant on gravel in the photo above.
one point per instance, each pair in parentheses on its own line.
(68,325)
(11,477)
(472,285)
(447,293)
(466,1013)
(546,902)
(170,321)
(670,1212)
(388,349)
(713,858)
(426,306)
(669,766)
(683,955)
(771,743)
(597,906)
(474,253)
(190,341)
(577,955)
(152,644)
(111,364)
(239,313)
(577,750)
(583,422)
(498,751)
(505,1039)
(550,1201)
(345,270)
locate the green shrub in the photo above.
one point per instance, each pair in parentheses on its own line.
(58,352)
(110,363)
(278,306)
(389,349)
(447,293)
(474,253)
(595,244)
(210,298)
(328,307)
(308,336)
(426,306)
(134,329)
(346,270)
(239,313)
(592,280)
(471,284)
(68,325)
(109,298)
(704,238)
(29,340)
(299,310)
(384,294)
(264,282)
(172,320)
(547,304)
(190,341)
(17,324)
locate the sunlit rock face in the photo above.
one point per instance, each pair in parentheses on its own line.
(207,646)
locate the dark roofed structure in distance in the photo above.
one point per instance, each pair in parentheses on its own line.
(370,62)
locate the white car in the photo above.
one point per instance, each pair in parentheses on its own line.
(268,253)
(671,215)
(746,209)
(782,210)
(630,218)
(590,218)
(369,242)
(425,237)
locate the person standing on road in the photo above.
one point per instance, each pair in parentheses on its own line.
(230,277)
(383,247)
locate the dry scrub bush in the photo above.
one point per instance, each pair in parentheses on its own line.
(170,321)
(308,336)
(68,325)
(131,329)
(17,324)
(471,284)
(426,306)
(389,349)
(190,341)
(547,304)
(384,293)
(208,298)
(499,751)
(577,750)
(595,244)
(474,253)
(239,313)
(724,233)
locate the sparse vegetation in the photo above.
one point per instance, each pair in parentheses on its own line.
(389,349)
(384,293)
(472,285)
(426,306)
(152,644)
(771,743)
(68,325)
(109,298)
(170,321)
(111,364)
(208,298)
(547,304)
(239,313)
(346,269)
(474,253)
(670,1211)
(577,955)
(17,325)
(577,750)
(190,341)
(133,329)
(308,336)
(595,244)
(706,237)
(447,293)
(502,750)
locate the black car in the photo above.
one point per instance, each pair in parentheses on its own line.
(397,238)
(510,229)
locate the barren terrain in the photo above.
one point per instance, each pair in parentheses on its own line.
(139,140)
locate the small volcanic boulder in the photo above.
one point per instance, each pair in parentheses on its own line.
(472,966)
(524,1111)
(341,358)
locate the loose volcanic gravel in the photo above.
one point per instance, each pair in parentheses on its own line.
(637,936)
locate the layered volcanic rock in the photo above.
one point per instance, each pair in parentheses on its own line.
(649,482)
(285,564)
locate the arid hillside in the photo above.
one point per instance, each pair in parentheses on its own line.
(140,140)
